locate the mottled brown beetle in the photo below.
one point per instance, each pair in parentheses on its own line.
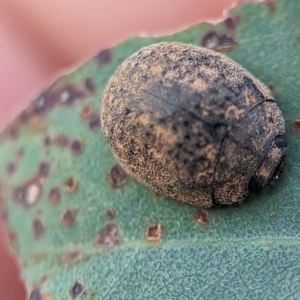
(193,125)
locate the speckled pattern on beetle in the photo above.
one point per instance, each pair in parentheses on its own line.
(193,125)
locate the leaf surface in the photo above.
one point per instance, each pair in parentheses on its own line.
(75,234)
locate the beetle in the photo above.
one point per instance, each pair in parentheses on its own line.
(193,125)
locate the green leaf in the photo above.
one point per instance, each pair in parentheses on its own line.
(76,234)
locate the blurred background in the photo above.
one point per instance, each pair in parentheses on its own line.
(38,39)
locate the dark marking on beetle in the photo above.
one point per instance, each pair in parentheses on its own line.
(54,196)
(103,57)
(86,111)
(68,217)
(153,232)
(44,169)
(89,84)
(270,5)
(107,237)
(11,168)
(76,290)
(296,125)
(94,122)
(110,214)
(38,227)
(70,184)
(218,41)
(117,176)
(70,257)
(76,147)
(201,216)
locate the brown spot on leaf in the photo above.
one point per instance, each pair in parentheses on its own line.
(44,169)
(38,228)
(231,22)
(70,94)
(76,290)
(218,41)
(86,111)
(70,257)
(117,176)
(271,86)
(76,147)
(68,217)
(103,57)
(62,140)
(153,232)
(296,125)
(270,5)
(201,216)
(110,214)
(70,184)
(11,168)
(89,84)
(107,237)
(47,140)
(28,194)
(13,239)
(94,122)
(54,196)
(35,294)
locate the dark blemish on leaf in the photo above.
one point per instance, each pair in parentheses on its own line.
(70,184)
(153,232)
(94,122)
(38,228)
(54,196)
(11,168)
(107,237)
(103,57)
(70,257)
(47,140)
(117,176)
(201,216)
(76,147)
(110,214)
(218,42)
(86,111)
(28,194)
(270,5)
(62,140)
(296,125)
(89,84)
(35,294)
(271,86)
(70,94)
(68,217)
(11,132)
(13,239)
(76,290)
(231,22)
(20,153)
(44,169)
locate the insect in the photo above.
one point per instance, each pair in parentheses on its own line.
(193,125)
